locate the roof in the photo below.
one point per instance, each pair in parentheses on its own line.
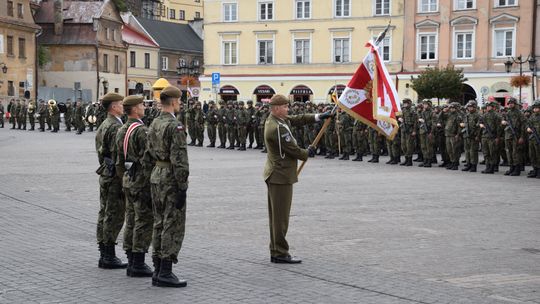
(72,34)
(74,11)
(131,36)
(172,36)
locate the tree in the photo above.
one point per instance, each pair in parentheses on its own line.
(446,83)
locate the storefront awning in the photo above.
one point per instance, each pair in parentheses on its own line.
(301,90)
(228,90)
(264,90)
(339,87)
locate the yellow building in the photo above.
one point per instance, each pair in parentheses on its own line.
(181,11)
(299,48)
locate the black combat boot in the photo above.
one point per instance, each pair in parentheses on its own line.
(404,163)
(409,162)
(420,158)
(496,168)
(110,261)
(129,255)
(390,161)
(427,163)
(345,156)
(467,167)
(200,144)
(166,277)
(242,147)
(264,150)
(488,170)
(422,164)
(375,159)
(396,160)
(101,254)
(434,160)
(192,143)
(472,168)
(532,173)
(516,172)
(211,145)
(358,157)
(510,171)
(231,147)
(504,163)
(329,155)
(455,166)
(157,265)
(250,145)
(139,268)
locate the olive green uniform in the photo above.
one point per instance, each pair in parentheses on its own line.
(451,132)
(198,125)
(32,115)
(533,123)
(54,113)
(490,137)
(471,137)
(212,118)
(222,126)
(167,147)
(231,123)
(243,121)
(280,175)
(408,130)
(425,135)
(513,132)
(345,126)
(68,117)
(42,115)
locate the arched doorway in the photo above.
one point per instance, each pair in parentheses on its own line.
(501,96)
(263,93)
(340,88)
(301,93)
(228,92)
(467,93)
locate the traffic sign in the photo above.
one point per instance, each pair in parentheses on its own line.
(216,78)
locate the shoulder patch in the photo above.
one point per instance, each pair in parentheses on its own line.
(180,128)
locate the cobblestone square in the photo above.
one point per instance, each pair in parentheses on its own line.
(367,233)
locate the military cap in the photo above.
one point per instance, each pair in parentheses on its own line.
(235,102)
(512,100)
(132,100)
(171,91)
(221,101)
(249,102)
(278,100)
(471,103)
(407,100)
(241,103)
(211,102)
(493,104)
(536,104)
(110,98)
(259,104)
(230,102)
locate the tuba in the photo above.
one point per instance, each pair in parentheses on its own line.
(31,108)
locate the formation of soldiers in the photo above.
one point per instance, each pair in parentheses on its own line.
(47,115)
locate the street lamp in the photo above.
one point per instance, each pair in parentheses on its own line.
(511,60)
(4,67)
(532,67)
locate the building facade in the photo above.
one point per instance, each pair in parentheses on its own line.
(478,36)
(17,49)
(299,48)
(179,11)
(142,65)
(86,54)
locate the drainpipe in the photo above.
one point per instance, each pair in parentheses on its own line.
(97,71)
(533,45)
(36,64)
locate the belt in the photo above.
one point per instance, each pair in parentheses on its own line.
(163,163)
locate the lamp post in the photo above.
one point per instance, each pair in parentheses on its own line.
(511,60)
(4,67)
(191,69)
(532,67)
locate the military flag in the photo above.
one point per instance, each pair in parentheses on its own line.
(370,95)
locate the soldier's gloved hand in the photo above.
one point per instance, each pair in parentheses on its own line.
(311,150)
(327,114)
(181,199)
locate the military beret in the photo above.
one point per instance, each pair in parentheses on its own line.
(536,104)
(110,98)
(171,91)
(250,102)
(512,100)
(133,100)
(278,100)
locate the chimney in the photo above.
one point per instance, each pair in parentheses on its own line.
(58,17)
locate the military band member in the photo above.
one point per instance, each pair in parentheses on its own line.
(54,114)
(68,115)
(280,171)
(169,184)
(42,115)
(112,206)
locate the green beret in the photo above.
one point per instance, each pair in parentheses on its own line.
(493,104)
(132,100)
(109,98)
(278,100)
(171,91)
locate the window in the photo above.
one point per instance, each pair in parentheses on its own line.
(20,12)
(164,63)
(384,48)
(11,89)
(463,46)
(116,64)
(229,52)
(303,9)
(342,8)
(132,59)
(172,14)
(146,60)
(341,50)
(105,63)
(382,7)
(505,2)
(464,4)
(301,51)
(9,43)
(266,10)
(427,46)
(266,52)
(107,35)
(181,15)
(114,34)
(22,48)
(504,43)
(10,8)
(428,6)
(197,15)
(229,12)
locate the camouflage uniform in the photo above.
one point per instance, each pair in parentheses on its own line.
(408,121)
(42,115)
(212,118)
(451,132)
(54,113)
(345,125)
(330,139)
(262,120)
(68,116)
(359,139)
(198,123)
(471,136)
(514,138)
(490,124)
(231,123)
(21,120)
(252,125)
(533,129)
(222,124)
(425,135)
(243,120)
(32,107)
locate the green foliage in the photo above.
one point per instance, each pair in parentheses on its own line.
(446,83)
(121,5)
(43,56)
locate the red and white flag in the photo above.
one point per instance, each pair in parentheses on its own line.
(371,96)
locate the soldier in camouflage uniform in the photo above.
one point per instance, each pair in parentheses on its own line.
(252,125)
(408,120)
(169,184)
(42,115)
(441,138)
(78,117)
(471,136)
(345,126)
(374,145)
(212,118)
(2,112)
(21,120)
(190,117)
(130,148)
(533,129)
(231,120)
(54,113)
(243,120)
(32,107)
(451,132)
(425,135)
(359,139)
(513,124)
(330,139)
(68,115)
(198,123)
(263,116)
(309,129)
(489,124)
(112,206)
(256,122)
(222,124)
(15,108)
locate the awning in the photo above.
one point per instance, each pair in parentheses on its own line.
(264,90)
(301,90)
(228,90)
(340,89)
